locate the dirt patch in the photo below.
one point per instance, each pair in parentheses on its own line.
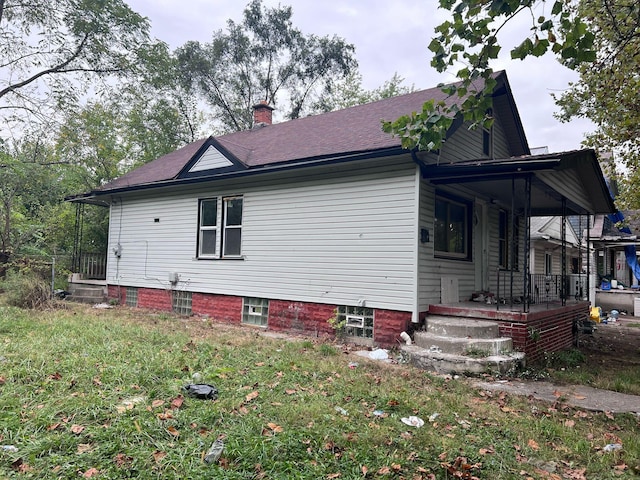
(613,345)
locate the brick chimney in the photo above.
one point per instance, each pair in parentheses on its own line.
(262,113)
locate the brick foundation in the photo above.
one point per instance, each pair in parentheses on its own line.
(534,333)
(543,333)
(222,308)
(284,316)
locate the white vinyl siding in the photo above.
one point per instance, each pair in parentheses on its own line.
(210,159)
(338,235)
(466,144)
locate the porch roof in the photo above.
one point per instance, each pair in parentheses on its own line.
(575,176)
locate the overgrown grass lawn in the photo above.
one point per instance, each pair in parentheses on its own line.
(88,393)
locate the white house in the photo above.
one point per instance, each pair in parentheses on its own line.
(289,225)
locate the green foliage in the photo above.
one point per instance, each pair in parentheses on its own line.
(469,42)
(349,92)
(264,57)
(53,56)
(565,358)
(608,89)
(25,288)
(425,130)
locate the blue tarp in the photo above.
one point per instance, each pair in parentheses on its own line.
(629,250)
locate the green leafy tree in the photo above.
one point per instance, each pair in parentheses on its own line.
(30,190)
(52,53)
(469,42)
(349,92)
(608,90)
(264,58)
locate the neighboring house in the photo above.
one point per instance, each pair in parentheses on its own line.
(551,260)
(611,247)
(289,225)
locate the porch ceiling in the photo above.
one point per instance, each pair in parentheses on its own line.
(575,176)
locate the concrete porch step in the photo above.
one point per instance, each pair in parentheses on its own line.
(440,362)
(87,294)
(462,345)
(446,326)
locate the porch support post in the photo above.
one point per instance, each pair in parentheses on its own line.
(589,260)
(512,239)
(526,290)
(563,279)
(77,238)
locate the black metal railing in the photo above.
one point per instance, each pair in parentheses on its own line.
(541,289)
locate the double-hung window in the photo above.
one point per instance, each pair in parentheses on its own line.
(452,227)
(220,227)
(208,228)
(232,227)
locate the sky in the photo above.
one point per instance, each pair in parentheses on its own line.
(389,37)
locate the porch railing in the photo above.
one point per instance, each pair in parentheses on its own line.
(93,266)
(542,289)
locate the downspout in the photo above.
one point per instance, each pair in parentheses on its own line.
(415,314)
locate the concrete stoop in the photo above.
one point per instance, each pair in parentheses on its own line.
(463,346)
(462,364)
(87,294)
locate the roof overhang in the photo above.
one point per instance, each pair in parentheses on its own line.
(569,182)
(101,197)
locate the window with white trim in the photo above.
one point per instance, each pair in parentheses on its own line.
(232,227)
(208,228)
(220,227)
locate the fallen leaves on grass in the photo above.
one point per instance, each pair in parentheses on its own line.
(173,431)
(485,451)
(92,472)
(19,466)
(123,461)
(461,468)
(272,429)
(77,429)
(177,402)
(533,444)
(84,448)
(251,396)
(159,455)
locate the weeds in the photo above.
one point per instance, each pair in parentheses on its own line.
(26,290)
(476,352)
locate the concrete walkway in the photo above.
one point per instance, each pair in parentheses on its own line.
(580,396)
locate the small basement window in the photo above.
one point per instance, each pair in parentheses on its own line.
(358,321)
(131,298)
(181,302)
(255,311)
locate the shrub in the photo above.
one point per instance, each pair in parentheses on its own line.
(26,290)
